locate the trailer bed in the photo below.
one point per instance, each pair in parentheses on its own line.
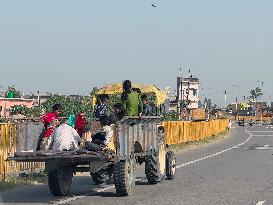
(49,155)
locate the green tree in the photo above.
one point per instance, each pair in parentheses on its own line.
(229,107)
(21,109)
(72,105)
(255,94)
(17,93)
(171,116)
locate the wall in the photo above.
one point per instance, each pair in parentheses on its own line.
(21,136)
(7,103)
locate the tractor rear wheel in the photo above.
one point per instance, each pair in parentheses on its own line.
(155,166)
(170,165)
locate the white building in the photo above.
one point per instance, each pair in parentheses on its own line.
(188,91)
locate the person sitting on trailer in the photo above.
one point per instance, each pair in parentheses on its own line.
(104,139)
(117,114)
(149,109)
(81,122)
(64,138)
(102,108)
(51,121)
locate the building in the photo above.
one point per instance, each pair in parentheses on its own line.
(7,103)
(188,92)
(39,99)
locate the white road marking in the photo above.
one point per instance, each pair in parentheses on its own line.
(260,203)
(263,148)
(218,153)
(106,188)
(262,135)
(260,131)
(68,200)
(74,198)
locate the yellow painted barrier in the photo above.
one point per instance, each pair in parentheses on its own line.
(181,131)
(8,142)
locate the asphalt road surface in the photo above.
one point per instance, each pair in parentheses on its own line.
(236,170)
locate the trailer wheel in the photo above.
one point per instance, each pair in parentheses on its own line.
(170,165)
(59,181)
(155,166)
(124,177)
(98,177)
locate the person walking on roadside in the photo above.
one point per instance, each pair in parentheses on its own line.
(131,102)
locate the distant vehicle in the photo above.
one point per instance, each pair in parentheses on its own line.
(251,123)
(241,122)
(230,112)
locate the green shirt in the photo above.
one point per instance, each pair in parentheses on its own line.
(133,105)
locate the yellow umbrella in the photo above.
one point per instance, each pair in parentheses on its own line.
(116,88)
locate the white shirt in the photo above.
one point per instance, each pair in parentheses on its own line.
(108,134)
(64,137)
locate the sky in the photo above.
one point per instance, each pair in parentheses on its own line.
(71,46)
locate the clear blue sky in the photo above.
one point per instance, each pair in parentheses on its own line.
(70,46)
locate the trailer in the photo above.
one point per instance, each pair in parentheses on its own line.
(137,140)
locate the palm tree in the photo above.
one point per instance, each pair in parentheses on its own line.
(255,94)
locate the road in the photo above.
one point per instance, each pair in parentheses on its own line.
(236,170)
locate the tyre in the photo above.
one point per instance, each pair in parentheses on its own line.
(155,166)
(59,181)
(124,177)
(170,165)
(99,177)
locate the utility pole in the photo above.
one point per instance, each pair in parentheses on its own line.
(225,99)
(38,96)
(179,92)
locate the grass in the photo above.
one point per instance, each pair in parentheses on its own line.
(200,143)
(23,179)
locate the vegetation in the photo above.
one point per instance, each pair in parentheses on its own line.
(200,143)
(23,179)
(171,116)
(21,109)
(72,105)
(17,93)
(255,94)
